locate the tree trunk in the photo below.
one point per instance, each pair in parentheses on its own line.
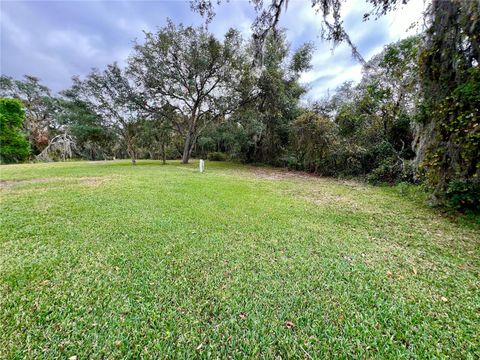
(131,152)
(189,142)
(134,160)
(164,155)
(186,149)
(192,146)
(191,138)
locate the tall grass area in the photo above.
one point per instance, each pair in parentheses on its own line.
(103,259)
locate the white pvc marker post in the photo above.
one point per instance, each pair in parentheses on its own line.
(202,165)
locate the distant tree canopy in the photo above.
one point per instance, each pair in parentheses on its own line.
(111,95)
(14,146)
(271,102)
(94,137)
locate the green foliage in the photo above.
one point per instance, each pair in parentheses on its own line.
(463,194)
(193,73)
(271,103)
(156,140)
(217,156)
(454,147)
(227,137)
(94,139)
(39,108)
(366,129)
(111,95)
(449,130)
(393,170)
(313,139)
(14,146)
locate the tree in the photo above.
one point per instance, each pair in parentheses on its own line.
(37,101)
(13,145)
(93,138)
(448,136)
(189,70)
(111,94)
(370,123)
(156,136)
(272,102)
(312,139)
(398,73)
(60,147)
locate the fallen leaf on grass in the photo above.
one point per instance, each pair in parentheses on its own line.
(414,271)
(389,274)
(242,315)
(444,299)
(199,347)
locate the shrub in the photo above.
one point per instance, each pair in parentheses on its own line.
(14,146)
(389,171)
(393,170)
(463,195)
(312,140)
(217,156)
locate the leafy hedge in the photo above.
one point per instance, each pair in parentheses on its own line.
(217,156)
(14,147)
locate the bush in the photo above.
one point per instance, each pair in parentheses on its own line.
(14,146)
(392,171)
(217,156)
(389,171)
(463,195)
(312,141)
(293,163)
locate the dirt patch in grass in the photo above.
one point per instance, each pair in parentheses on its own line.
(316,189)
(14,183)
(278,174)
(86,180)
(285,174)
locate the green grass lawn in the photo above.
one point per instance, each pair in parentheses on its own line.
(102,259)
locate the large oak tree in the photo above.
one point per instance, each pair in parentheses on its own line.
(187,69)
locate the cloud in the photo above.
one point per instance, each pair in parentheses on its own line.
(12,33)
(333,66)
(55,40)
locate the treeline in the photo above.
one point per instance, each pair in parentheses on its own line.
(180,86)
(414,116)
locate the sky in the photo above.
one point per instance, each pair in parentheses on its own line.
(55,40)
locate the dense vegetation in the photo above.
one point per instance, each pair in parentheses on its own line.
(107,260)
(414,117)
(14,147)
